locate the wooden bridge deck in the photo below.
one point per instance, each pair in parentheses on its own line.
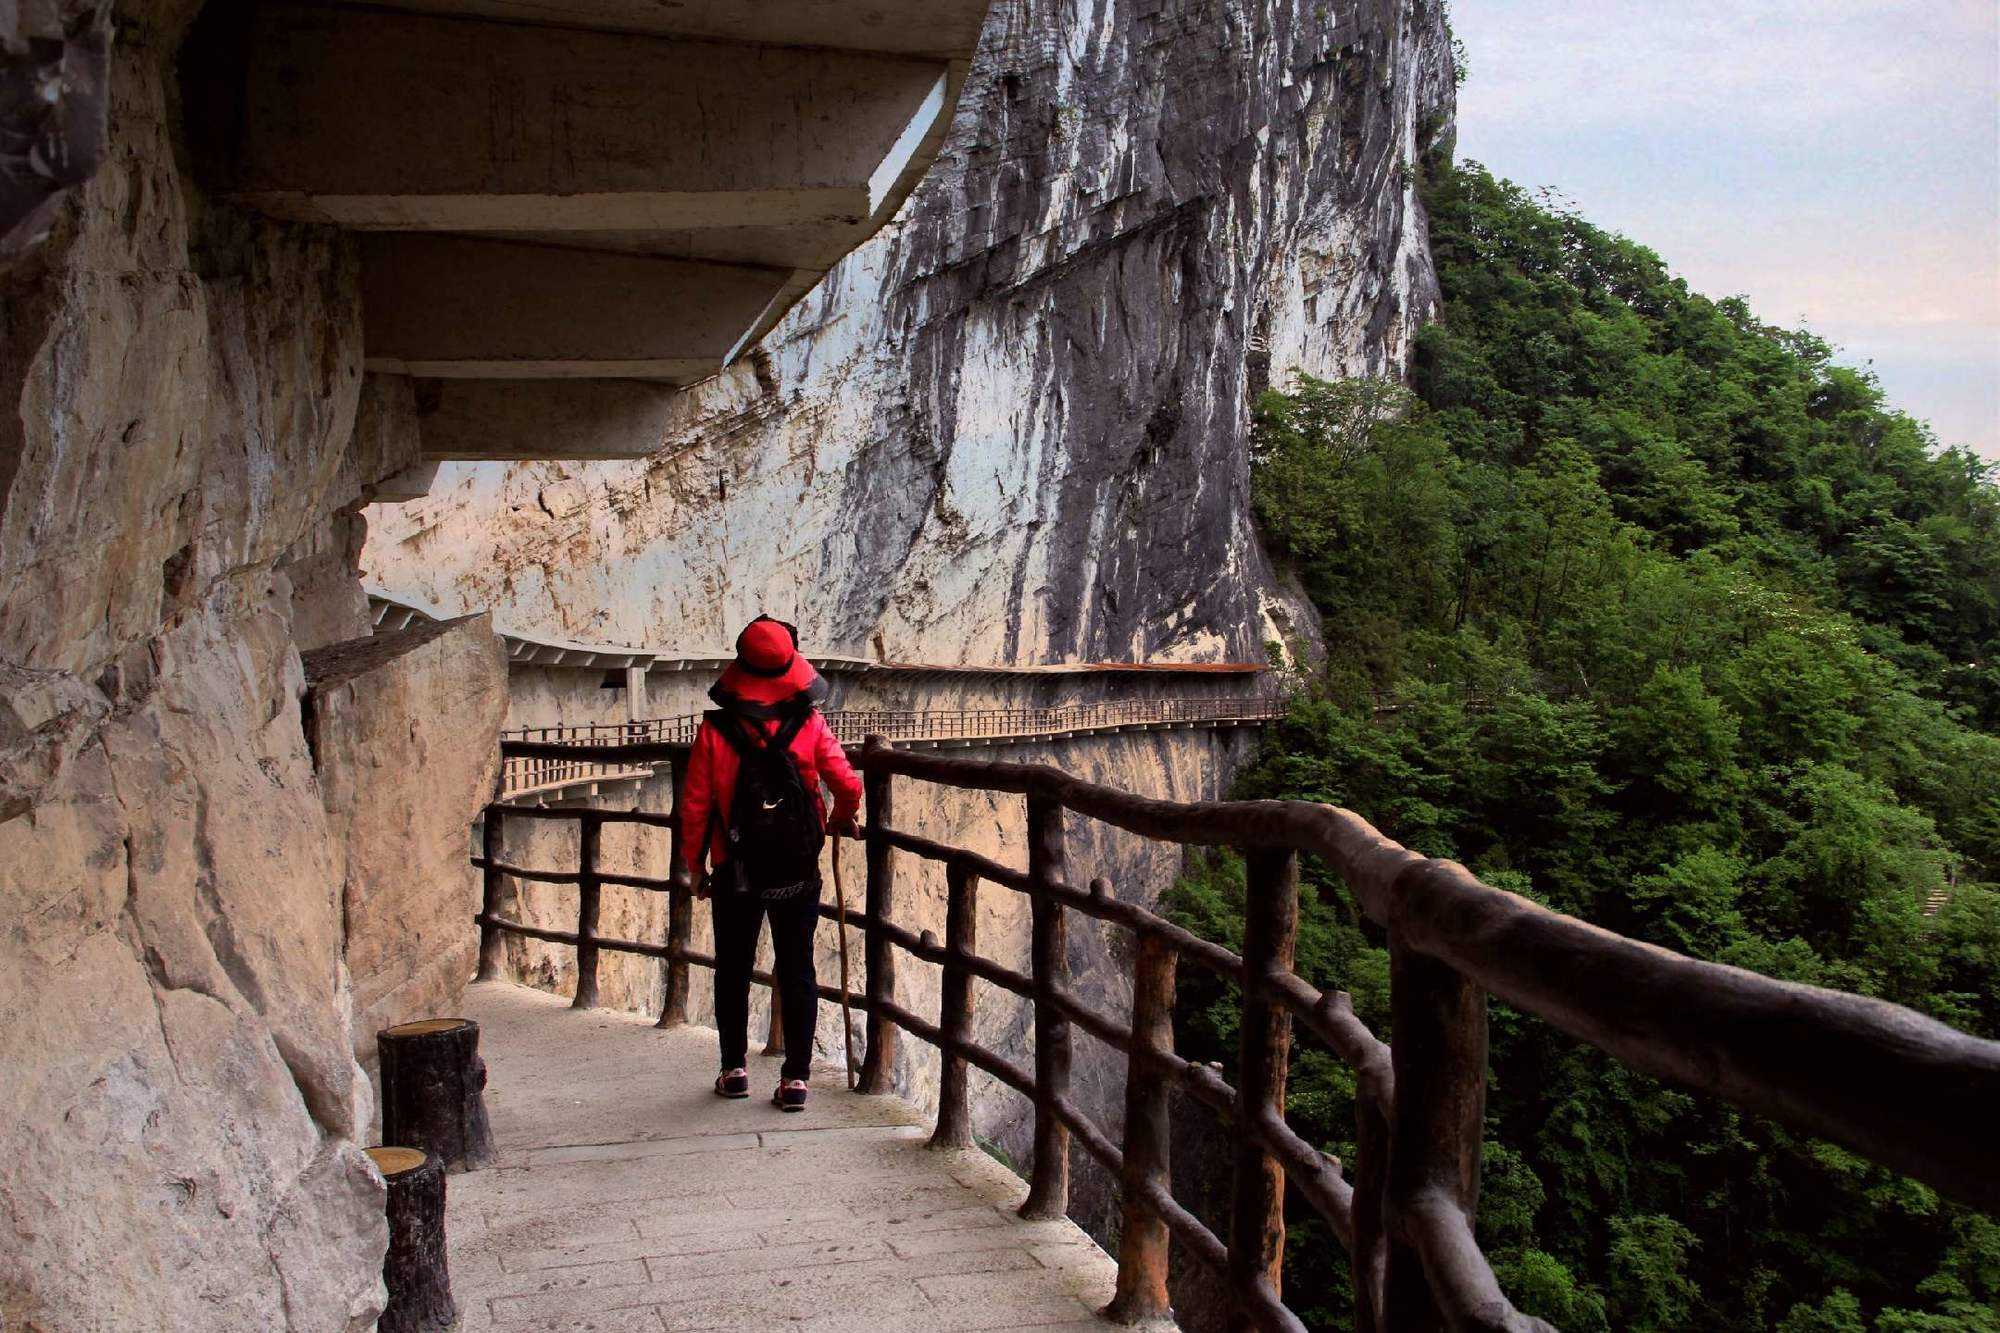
(626,1196)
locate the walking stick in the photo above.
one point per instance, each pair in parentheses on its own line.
(840,910)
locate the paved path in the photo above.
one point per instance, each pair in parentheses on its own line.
(626,1197)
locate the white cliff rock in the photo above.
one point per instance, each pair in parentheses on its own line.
(1013,427)
(181,1110)
(182,1102)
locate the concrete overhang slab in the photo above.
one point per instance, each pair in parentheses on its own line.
(383,121)
(554,217)
(754,142)
(448,306)
(889,171)
(470,420)
(806,246)
(943,29)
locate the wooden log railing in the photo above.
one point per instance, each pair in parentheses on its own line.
(1895,1086)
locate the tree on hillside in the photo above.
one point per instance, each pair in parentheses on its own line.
(1690,635)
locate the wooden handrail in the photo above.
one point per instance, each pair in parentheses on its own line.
(1887,1082)
(956,1003)
(1841,1066)
(1048,952)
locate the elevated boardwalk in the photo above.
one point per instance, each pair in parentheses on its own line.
(626,1197)
(539,781)
(1890,1084)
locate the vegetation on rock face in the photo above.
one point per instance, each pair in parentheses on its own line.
(1687,635)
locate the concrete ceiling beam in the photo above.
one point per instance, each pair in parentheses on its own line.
(453,307)
(412,483)
(941,29)
(570,206)
(465,420)
(385,121)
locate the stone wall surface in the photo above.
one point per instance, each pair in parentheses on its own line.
(181,1107)
(401,729)
(1013,427)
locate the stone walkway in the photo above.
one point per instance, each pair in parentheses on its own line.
(626,1196)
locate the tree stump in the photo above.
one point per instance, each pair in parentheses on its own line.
(433,1091)
(414,1269)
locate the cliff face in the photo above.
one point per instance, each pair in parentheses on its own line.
(390,717)
(181,1104)
(1013,427)
(181,1099)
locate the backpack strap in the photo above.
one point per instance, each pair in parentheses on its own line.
(734,730)
(789,729)
(746,738)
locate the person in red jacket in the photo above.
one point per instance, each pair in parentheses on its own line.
(768,692)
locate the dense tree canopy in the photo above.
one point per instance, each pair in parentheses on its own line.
(1687,634)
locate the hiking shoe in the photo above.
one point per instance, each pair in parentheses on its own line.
(733,1084)
(790,1095)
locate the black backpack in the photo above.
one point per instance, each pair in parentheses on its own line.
(774,832)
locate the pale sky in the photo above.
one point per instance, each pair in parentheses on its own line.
(1835,161)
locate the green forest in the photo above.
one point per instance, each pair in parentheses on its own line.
(1656,614)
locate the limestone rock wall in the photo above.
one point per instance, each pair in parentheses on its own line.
(181,1105)
(1013,427)
(401,729)
(179,1116)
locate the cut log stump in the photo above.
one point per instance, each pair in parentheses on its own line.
(433,1091)
(414,1269)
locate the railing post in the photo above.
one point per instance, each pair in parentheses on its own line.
(878,1065)
(680,908)
(589,830)
(1048,1186)
(491,943)
(1270,930)
(1369,1261)
(961,940)
(774,1035)
(1439,1057)
(1143,1239)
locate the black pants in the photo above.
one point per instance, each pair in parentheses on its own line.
(793,920)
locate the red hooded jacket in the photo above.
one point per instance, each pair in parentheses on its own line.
(711,782)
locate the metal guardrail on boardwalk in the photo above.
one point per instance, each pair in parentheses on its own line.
(523,778)
(1884,1081)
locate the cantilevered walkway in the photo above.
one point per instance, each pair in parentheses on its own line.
(548,778)
(626,1196)
(611,1116)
